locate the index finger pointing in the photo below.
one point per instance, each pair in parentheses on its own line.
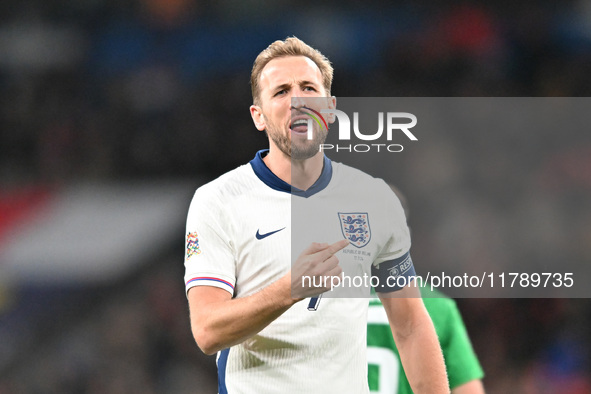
(332,249)
(315,247)
(339,245)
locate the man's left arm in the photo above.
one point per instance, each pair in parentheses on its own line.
(416,340)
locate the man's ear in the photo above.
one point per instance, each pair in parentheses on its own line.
(332,104)
(256,113)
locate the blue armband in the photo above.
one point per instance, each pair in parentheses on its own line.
(394,274)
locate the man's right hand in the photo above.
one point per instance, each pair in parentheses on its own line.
(319,263)
(219,321)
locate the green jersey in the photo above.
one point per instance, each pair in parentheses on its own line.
(385,372)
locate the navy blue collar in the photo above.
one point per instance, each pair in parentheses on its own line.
(266,175)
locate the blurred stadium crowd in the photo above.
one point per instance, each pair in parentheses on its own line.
(157,89)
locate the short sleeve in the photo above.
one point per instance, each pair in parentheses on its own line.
(398,243)
(209,255)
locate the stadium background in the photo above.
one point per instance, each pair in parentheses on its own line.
(113,112)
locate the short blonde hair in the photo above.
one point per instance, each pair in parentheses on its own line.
(292,46)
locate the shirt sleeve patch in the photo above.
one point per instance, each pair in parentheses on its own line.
(192,245)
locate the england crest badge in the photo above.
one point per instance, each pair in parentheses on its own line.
(355,227)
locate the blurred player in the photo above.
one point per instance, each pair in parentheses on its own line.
(244,296)
(386,375)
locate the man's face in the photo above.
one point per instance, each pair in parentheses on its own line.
(281,80)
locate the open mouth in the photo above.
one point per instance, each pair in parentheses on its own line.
(302,120)
(299,125)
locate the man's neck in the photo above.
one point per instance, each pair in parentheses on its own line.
(298,173)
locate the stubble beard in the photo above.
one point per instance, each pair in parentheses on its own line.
(299,150)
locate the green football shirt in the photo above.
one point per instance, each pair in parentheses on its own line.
(385,372)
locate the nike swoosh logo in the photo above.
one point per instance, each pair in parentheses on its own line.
(261,236)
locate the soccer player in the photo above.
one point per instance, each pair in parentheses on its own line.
(385,372)
(245,299)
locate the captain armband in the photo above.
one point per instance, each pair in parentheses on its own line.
(394,274)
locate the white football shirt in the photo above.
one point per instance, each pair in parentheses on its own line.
(244,229)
